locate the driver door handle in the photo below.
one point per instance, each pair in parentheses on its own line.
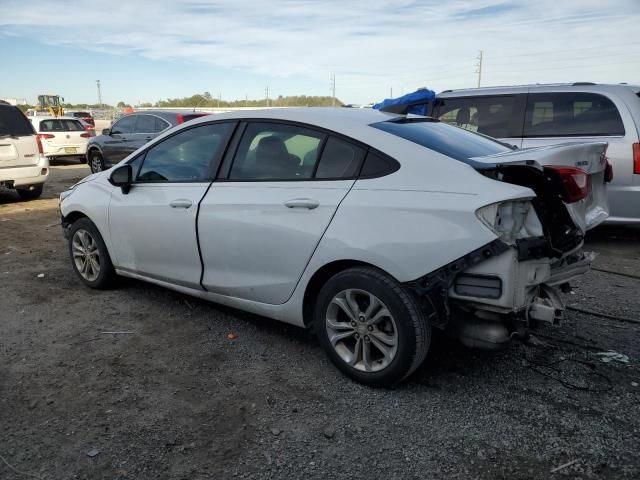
(181,203)
(309,203)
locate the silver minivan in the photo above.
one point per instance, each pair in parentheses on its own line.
(534,115)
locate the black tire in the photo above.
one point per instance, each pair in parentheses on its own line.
(411,327)
(96,162)
(30,194)
(106,273)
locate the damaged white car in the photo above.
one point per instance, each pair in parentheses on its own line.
(371,227)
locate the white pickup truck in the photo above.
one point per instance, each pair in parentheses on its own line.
(23,166)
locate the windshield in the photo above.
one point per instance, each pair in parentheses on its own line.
(446,139)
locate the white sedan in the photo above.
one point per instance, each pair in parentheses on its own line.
(371,227)
(62,137)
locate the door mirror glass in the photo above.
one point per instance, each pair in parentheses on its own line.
(122,177)
(106,131)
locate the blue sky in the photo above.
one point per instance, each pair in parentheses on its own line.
(145,50)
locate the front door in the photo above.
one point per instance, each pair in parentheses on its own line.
(153,226)
(260,225)
(116,145)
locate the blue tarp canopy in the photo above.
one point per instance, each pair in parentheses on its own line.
(418,103)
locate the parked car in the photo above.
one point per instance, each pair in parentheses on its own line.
(535,115)
(84,116)
(130,133)
(23,165)
(88,127)
(62,137)
(374,228)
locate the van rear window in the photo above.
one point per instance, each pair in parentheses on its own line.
(62,125)
(14,123)
(446,139)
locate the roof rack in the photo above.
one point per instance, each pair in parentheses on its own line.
(580,84)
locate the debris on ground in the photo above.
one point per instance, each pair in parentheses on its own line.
(564,465)
(93,452)
(611,356)
(232,336)
(276,431)
(329,432)
(40,275)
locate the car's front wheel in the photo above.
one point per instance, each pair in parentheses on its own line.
(96,163)
(371,327)
(89,256)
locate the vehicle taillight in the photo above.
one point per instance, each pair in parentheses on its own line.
(39,142)
(85,134)
(576,183)
(636,158)
(46,136)
(179,119)
(608,172)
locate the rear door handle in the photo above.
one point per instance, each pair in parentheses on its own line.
(181,203)
(309,203)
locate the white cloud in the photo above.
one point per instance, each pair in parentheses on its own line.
(370,45)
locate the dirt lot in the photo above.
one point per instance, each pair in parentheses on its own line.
(176,399)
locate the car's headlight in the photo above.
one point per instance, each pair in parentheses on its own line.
(511,220)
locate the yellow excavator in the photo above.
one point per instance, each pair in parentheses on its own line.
(50,104)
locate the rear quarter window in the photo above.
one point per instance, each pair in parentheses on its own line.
(448,140)
(571,114)
(14,123)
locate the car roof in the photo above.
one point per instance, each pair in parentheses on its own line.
(576,86)
(54,118)
(331,118)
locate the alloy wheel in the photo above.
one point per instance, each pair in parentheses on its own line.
(96,163)
(362,330)
(86,255)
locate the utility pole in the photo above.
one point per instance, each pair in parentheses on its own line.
(246,100)
(99,93)
(333,89)
(266,92)
(479,68)
(390,92)
(219,98)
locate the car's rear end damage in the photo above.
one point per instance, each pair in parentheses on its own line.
(508,286)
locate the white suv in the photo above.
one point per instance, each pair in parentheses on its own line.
(537,115)
(23,165)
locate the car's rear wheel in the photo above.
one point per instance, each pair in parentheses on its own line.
(89,256)
(371,327)
(30,193)
(96,163)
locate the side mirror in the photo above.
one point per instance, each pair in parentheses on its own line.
(106,131)
(122,177)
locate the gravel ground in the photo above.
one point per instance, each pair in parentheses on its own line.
(176,399)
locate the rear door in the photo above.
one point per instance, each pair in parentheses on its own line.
(153,226)
(556,117)
(260,223)
(18,146)
(146,129)
(498,116)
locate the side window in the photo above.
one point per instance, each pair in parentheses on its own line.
(145,124)
(339,159)
(160,124)
(124,125)
(274,151)
(487,115)
(186,156)
(376,165)
(567,114)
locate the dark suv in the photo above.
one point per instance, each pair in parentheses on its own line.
(130,133)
